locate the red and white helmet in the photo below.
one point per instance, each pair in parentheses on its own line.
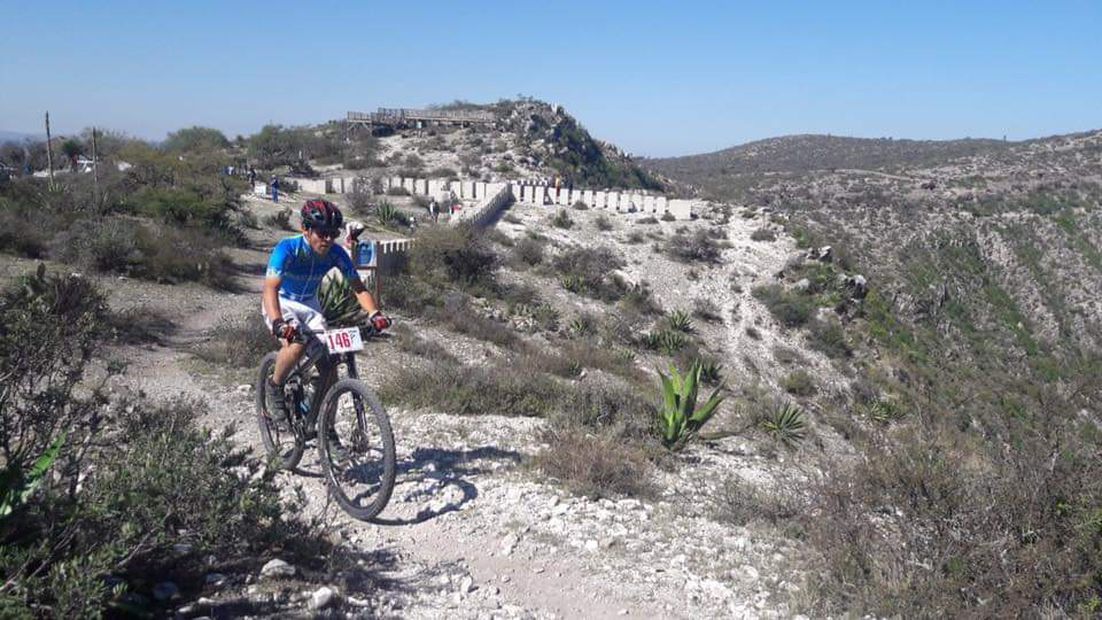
(321,215)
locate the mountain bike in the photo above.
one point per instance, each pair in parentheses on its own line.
(351,427)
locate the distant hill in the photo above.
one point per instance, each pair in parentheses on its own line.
(16,136)
(804,153)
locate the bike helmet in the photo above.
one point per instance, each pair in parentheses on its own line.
(321,215)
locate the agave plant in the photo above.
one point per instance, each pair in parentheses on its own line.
(785,423)
(885,410)
(573,283)
(388,215)
(17,486)
(339,304)
(583,327)
(679,416)
(679,321)
(710,371)
(627,356)
(670,342)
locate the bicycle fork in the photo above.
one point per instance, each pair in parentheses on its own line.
(357,402)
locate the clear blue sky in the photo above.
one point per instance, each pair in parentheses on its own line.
(659,78)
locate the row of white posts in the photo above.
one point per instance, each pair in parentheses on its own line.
(626,201)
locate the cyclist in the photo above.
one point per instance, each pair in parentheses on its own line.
(290,297)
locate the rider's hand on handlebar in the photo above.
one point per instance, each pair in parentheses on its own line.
(283,330)
(379,322)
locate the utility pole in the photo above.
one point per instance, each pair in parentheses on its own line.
(49,151)
(95,173)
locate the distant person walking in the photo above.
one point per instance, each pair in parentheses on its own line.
(434,210)
(274,186)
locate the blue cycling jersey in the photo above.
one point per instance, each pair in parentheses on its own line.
(301,268)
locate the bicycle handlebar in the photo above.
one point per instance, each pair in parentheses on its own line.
(365,330)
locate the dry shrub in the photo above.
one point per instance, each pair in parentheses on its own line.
(472,390)
(926,526)
(528,252)
(453,255)
(741,503)
(238,342)
(698,247)
(409,342)
(594,465)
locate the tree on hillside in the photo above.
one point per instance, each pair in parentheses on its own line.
(72,148)
(193,139)
(108,142)
(13,154)
(275,146)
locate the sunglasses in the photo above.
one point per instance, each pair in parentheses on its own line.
(326,234)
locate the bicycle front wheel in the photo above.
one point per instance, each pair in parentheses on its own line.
(357,449)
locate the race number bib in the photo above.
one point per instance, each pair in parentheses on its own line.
(345,340)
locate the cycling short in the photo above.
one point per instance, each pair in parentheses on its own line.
(308,314)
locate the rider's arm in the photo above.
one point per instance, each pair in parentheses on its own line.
(363,296)
(273,278)
(271,298)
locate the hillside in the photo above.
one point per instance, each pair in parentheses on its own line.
(910,362)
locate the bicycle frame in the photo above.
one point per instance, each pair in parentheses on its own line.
(319,358)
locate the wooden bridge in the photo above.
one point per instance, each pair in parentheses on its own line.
(401,117)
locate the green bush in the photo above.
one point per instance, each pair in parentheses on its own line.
(799,383)
(148,251)
(829,337)
(16,237)
(586,271)
(129,480)
(698,247)
(453,255)
(602,223)
(195,140)
(789,308)
(528,252)
(562,220)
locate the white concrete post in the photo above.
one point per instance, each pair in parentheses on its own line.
(600,200)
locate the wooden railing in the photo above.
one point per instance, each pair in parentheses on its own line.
(392,116)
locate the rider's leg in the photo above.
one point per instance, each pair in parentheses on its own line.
(288,356)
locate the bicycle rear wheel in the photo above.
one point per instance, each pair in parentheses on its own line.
(357,449)
(281,443)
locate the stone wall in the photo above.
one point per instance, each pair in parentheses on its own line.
(622,201)
(540,194)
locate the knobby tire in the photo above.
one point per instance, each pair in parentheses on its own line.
(378,434)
